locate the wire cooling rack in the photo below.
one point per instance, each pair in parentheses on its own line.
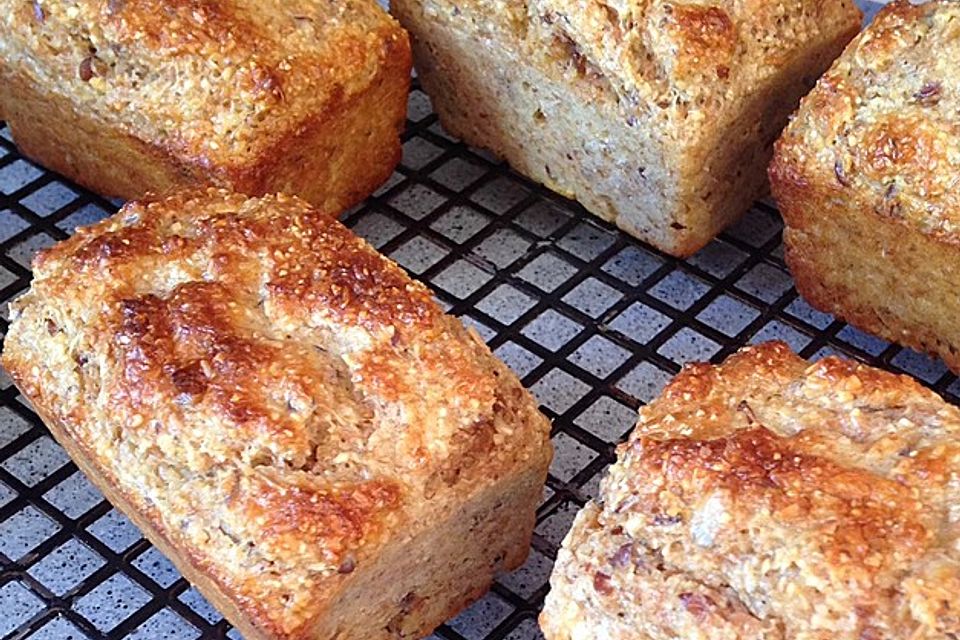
(594,322)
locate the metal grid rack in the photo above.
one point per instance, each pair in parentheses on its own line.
(594,322)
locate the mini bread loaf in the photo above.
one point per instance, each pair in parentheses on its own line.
(868,179)
(770,499)
(133,96)
(285,414)
(657,115)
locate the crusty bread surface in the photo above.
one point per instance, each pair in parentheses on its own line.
(771,499)
(867,177)
(134,96)
(656,115)
(287,415)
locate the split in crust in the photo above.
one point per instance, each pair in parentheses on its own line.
(284,413)
(771,499)
(656,115)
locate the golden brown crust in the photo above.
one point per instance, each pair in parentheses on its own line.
(150,523)
(693,61)
(866,178)
(881,127)
(775,499)
(234,93)
(49,129)
(273,396)
(658,116)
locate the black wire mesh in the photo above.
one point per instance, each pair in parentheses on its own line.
(593,321)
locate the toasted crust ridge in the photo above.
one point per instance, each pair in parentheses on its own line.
(880,128)
(772,498)
(276,398)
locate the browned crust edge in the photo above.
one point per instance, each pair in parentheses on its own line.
(800,200)
(807,281)
(216,593)
(191,567)
(54,132)
(381,108)
(789,81)
(48,129)
(792,189)
(435,75)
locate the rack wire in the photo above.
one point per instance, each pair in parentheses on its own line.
(593,322)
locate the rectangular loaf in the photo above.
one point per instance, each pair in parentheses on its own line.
(657,115)
(285,414)
(128,96)
(768,498)
(867,179)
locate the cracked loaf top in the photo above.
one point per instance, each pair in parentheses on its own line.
(768,498)
(276,397)
(670,59)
